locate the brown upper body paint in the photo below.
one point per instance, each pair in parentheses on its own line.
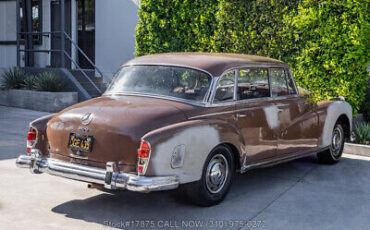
(257,130)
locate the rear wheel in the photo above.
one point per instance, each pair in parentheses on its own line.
(217,175)
(334,153)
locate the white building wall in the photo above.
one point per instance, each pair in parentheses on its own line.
(8,53)
(115,22)
(43,59)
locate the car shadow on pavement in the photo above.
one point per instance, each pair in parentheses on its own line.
(250,193)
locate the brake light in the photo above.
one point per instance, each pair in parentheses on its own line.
(31,139)
(143,154)
(144,150)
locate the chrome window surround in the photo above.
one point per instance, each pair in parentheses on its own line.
(271,98)
(208,101)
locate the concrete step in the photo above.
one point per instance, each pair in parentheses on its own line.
(88,86)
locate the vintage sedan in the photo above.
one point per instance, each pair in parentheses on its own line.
(189,119)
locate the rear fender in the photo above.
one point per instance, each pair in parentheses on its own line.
(333,112)
(40,125)
(196,139)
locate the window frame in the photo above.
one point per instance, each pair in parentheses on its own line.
(213,88)
(36,39)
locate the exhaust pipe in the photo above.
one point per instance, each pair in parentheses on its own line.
(93,185)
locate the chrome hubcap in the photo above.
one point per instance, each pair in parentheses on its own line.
(216,174)
(337,139)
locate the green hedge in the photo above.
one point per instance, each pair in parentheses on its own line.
(326,42)
(173,26)
(334,48)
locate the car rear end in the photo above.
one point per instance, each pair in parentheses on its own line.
(102,147)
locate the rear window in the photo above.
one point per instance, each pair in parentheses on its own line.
(179,82)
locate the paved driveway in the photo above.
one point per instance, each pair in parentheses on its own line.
(296,195)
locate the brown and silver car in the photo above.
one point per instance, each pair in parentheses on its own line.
(189,119)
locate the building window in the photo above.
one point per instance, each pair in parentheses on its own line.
(36,19)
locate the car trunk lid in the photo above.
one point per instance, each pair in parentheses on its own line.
(116,125)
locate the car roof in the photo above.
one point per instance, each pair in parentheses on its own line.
(213,63)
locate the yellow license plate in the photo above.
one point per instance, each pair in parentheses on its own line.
(80,142)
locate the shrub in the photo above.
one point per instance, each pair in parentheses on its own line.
(366,106)
(30,82)
(48,82)
(12,78)
(325,42)
(174,26)
(333,50)
(362,133)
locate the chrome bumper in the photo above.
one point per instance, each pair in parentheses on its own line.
(110,178)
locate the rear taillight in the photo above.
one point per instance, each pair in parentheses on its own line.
(31,139)
(143,154)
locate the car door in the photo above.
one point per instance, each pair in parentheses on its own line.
(256,114)
(297,132)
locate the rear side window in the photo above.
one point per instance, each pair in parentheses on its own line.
(253,83)
(281,83)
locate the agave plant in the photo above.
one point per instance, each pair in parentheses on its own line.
(362,132)
(47,81)
(12,78)
(30,82)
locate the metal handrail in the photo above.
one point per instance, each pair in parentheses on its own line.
(39,51)
(83,53)
(79,68)
(39,33)
(67,55)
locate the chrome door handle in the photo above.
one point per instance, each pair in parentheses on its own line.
(238,115)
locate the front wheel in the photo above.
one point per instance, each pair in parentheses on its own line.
(217,175)
(334,153)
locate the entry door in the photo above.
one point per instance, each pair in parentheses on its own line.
(297,132)
(86,32)
(256,114)
(56,27)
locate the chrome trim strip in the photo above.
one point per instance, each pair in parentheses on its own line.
(170,65)
(270,162)
(236,76)
(190,102)
(108,177)
(270,82)
(227,112)
(213,90)
(211,114)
